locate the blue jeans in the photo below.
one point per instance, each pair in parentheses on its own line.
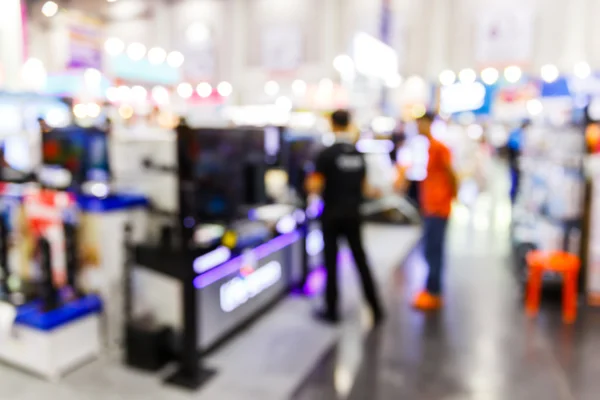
(434,236)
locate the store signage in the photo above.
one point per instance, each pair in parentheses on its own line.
(211,259)
(85,41)
(504,35)
(125,68)
(249,284)
(462,97)
(282,47)
(374,58)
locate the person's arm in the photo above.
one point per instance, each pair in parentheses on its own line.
(401,183)
(452,177)
(370,191)
(314,184)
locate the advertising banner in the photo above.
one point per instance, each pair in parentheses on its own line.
(85,41)
(45,213)
(282,47)
(504,35)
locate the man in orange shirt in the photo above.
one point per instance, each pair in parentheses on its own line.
(436,194)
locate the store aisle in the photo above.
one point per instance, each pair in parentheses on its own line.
(481,347)
(266,362)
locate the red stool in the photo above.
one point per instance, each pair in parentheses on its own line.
(560,262)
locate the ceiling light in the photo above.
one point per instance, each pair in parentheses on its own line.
(513,74)
(549,73)
(535,107)
(112,94)
(197,33)
(467,76)
(447,77)
(185,90)
(160,94)
(225,89)
(284,103)
(299,87)
(156,55)
(136,51)
(271,88)
(114,46)
(139,93)
(489,76)
(93,110)
(343,64)
(175,59)
(49,9)
(394,81)
(582,70)
(80,111)
(204,89)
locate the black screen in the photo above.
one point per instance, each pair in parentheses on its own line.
(82,151)
(227,167)
(300,154)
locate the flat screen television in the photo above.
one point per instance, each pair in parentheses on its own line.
(299,154)
(16,163)
(227,167)
(81,151)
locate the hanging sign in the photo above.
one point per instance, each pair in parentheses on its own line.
(504,35)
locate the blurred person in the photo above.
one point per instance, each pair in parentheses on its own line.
(513,146)
(340,177)
(437,192)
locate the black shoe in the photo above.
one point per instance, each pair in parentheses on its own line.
(326,317)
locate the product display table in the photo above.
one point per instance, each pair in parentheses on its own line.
(52,343)
(102,242)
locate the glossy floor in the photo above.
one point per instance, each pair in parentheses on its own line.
(267,362)
(481,346)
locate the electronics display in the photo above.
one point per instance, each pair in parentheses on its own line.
(83,152)
(299,152)
(228,166)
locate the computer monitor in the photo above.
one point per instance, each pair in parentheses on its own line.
(227,167)
(83,152)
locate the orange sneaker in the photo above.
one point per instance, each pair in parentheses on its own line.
(425,301)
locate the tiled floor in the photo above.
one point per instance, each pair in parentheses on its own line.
(481,346)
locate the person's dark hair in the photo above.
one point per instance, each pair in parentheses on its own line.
(341,118)
(428,116)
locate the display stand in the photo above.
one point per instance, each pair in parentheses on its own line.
(549,210)
(190,373)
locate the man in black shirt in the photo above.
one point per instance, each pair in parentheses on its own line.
(340,177)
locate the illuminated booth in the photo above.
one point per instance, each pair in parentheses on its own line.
(78,160)
(53,326)
(230,256)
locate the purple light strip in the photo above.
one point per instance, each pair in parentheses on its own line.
(234,264)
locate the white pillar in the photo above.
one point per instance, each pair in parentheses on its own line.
(11,44)
(438,44)
(238,61)
(162,34)
(575,32)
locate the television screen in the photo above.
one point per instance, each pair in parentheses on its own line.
(15,158)
(300,154)
(81,151)
(227,166)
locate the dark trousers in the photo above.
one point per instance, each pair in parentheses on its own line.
(515,178)
(434,236)
(333,229)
